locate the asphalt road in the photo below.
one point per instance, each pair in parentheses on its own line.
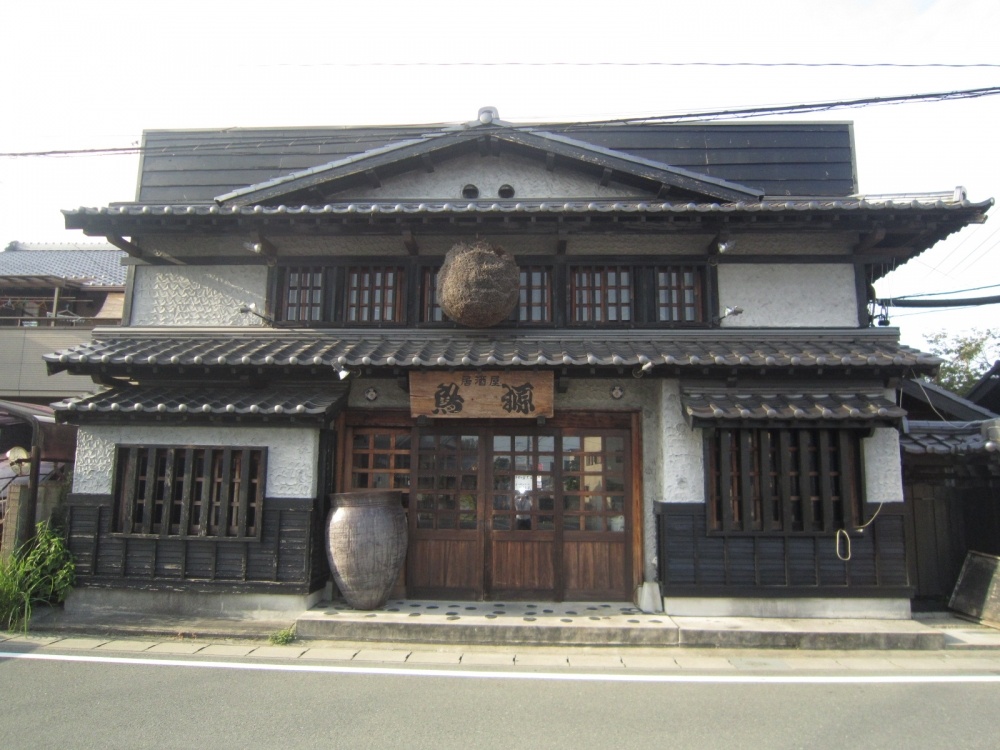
(192,703)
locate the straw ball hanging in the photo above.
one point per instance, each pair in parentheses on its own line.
(478,285)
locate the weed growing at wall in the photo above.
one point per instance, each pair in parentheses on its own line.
(40,572)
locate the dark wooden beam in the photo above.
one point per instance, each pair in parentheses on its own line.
(123,244)
(410,242)
(606,177)
(562,241)
(550,161)
(373,179)
(870,240)
(427,162)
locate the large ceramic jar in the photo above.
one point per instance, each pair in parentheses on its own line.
(366,544)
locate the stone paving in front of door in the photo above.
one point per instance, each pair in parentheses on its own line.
(580,623)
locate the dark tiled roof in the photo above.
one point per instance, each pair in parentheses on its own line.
(532,207)
(717,405)
(940,438)
(94,267)
(421,348)
(289,402)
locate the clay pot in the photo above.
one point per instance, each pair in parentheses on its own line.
(366,544)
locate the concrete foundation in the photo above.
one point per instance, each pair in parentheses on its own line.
(874,609)
(89,602)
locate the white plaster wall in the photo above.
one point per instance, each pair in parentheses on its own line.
(682,449)
(529,179)
(292,456)
(789,296)
(197,295)
(883,475)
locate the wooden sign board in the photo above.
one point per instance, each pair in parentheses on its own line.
(482,395)
(977,591)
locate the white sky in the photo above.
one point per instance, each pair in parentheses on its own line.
(95,74)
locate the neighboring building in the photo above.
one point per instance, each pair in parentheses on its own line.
(51,295)
(696,402)
(951,481)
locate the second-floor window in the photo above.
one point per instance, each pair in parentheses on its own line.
(374,295)
(553,292)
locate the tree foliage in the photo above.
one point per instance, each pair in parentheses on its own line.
(967,357)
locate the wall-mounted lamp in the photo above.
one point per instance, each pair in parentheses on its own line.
(725,245)
(644,368)
(728,312)
(251,309)
(343,373)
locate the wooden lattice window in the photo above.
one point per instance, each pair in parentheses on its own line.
(447,482)
(793,481)
(380,459)
(600,294)
(374,294)
(190,491)
(431,311)
(535,300)
(680,294)
(302,298)
(593,482)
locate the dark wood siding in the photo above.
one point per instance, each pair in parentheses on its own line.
(285,558)
(780,159)
(692,563)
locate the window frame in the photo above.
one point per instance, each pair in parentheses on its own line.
(197,477)
(417,308)
(757,473)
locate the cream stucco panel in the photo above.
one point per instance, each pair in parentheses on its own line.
(883,478)
(789,296)
(197,295)
(292,456)
(682,450)
(527,177)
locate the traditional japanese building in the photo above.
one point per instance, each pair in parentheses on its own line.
(686,405)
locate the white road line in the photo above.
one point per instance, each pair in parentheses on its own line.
(804,679)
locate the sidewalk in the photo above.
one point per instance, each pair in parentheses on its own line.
(456,628)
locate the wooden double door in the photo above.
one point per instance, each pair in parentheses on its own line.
(509,512)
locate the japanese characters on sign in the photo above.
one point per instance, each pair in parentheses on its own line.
(477,394)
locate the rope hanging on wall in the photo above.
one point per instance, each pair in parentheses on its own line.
(478,285)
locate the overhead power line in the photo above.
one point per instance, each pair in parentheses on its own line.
(938,294)
(967,302)
(620,64)
(251,144)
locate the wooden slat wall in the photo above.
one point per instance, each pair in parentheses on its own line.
(285,556)
(695,563)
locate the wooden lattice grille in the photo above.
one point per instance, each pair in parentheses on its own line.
(679,294)
(188,491)
(302,297)
(600,294)
(805,480)
(374,294)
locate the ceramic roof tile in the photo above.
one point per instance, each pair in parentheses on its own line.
(288,402)
(941,438)
(410,348)
(97,267)
(709,405)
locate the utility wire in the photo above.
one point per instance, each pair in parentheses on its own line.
(938,294)
(252,142)
(621,64)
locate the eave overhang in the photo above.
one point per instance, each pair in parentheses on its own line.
(843,407)
(889,230)
(280,405)
(144,354)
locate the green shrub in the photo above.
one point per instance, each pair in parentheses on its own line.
(282,637)
(40,572)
